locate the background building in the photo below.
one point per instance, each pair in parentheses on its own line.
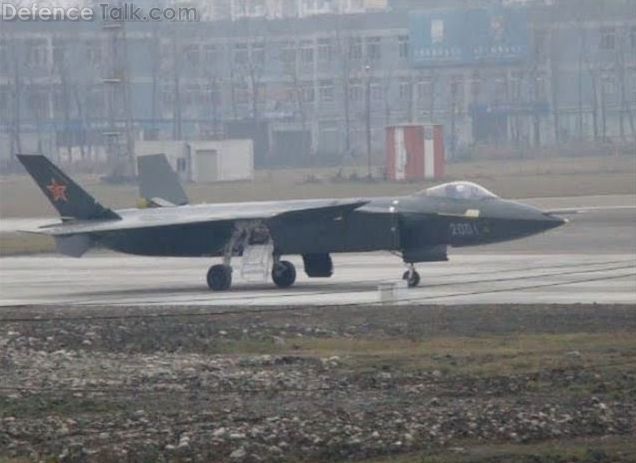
(310,85)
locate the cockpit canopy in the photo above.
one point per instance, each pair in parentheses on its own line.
(459,190)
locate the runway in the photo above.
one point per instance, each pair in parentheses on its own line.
(592,259)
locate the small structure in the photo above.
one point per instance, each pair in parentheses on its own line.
(392,292)
(415,151)
(222,160)
(205,161)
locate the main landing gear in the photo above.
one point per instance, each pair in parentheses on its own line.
(220,276)
(283,273)
(252,240)
(411,276)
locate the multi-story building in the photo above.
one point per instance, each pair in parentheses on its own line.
(311,89)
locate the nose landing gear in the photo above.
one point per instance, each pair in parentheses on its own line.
(411,276)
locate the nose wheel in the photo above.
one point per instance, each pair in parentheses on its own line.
(283,274)
(411,277)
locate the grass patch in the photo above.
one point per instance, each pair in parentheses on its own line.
(474,355)
(64,405)
(590,450)
(12,244)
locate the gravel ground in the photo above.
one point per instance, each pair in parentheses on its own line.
(298,384)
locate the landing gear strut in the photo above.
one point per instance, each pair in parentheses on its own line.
(220,277)
(283,273)
(411,276)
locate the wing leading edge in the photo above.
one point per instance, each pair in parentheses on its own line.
(187,215)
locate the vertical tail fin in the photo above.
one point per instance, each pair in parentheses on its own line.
(70,200)
(157,181)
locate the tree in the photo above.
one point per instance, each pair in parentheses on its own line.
(15,60)
(344,46)
(619,65)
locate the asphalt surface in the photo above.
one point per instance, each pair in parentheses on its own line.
(591,259)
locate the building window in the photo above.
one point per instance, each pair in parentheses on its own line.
(374,51)
(424,90)
(540,44)
(181,165)
(4,102)
(4,55)
(540,89)
(475,87)
(190,95)
(166,51)
(608,38)
(38,100)
(209,52)
(191,53)
(324,50)
(37,53)
(308,94)
(93,52)
(516,80)
(355,90)
(167,94)
(326,91)
(405,89)
(609,86)
(59,53)
(258,54)
(355,48)
(306,52)
(457,92)
(95,101)
(288,54)
(501,88)
(376,91)
(403,46)
(240,53)
(241,93)
(212,94)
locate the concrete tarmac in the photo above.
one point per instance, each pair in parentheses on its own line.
(591,259)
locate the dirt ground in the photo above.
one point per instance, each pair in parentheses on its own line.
(526,383)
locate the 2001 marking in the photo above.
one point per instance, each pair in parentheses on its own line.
(463,229)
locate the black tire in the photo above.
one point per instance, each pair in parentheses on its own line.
(284,274)
(219,277)
(412,278)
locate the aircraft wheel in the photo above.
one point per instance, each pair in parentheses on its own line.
(412,278)
(284,274)
(219,277)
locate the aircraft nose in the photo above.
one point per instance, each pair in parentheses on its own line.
(536,220)
(552,221)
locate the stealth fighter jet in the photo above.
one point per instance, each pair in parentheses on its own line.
(420,227)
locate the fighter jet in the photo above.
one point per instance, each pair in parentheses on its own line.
(420,227)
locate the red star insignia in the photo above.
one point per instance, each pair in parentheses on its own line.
(58,191)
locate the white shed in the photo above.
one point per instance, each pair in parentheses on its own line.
(205,161)
(222,160)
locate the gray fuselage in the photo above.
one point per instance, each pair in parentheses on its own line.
(406,223)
